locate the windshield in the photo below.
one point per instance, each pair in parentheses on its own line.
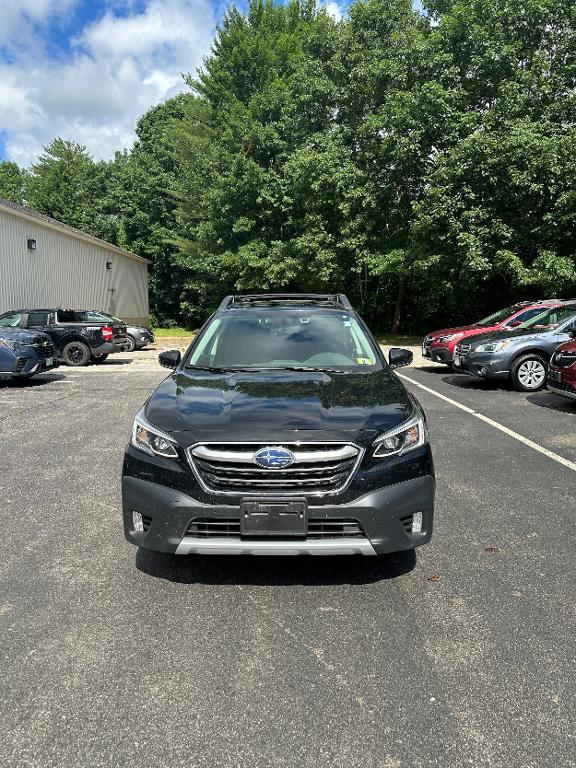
(499,316)
(284,339)
(550,318)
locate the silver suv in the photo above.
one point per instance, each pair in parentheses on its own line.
(521,355)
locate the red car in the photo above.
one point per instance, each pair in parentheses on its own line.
(439,346)
(562,370)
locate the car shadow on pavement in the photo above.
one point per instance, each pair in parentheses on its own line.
(274,571)
(462,381)
(36,381)
(431,368)
(108,363)
(546,399)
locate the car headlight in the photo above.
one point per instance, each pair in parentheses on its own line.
(11,344)
(450,337)
(408,436)
(152,440)
(492,346)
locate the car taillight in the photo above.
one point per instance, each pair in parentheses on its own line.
(107,333)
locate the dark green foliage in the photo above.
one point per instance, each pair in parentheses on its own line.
(422,164)
(12,182)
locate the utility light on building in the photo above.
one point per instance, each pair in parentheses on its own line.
(31,244)
(108,265)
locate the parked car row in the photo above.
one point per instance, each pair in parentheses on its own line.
(37,340)
(531,344)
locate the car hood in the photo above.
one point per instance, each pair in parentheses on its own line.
(525,334)
(23,336)
(279,406)
(460,329)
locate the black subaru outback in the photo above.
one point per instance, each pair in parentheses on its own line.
(282,430)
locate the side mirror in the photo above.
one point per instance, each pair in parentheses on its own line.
(170,359)
(573,332)
(514,324)
(399,357)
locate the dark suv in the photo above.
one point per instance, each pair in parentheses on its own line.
(79,336)
(282,430)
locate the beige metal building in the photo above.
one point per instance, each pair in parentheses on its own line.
(45,263)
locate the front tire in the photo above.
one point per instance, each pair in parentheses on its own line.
(528,373)
(130,343)
(76,354)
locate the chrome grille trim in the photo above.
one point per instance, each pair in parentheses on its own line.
(318,468)
(245,457)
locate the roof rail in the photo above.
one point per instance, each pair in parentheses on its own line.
(323,299)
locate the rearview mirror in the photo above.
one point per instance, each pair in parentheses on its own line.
(170,359)
(398,357)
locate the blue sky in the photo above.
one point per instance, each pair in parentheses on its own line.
(87,69)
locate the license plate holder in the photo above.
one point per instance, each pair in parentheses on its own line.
(273,517)
(49,362)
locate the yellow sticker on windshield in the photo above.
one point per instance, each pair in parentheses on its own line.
(364,361)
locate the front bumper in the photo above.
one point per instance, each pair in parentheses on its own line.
(28,362)
(385,516)
(144,339)
(563,388)
(485,365)
(440,354)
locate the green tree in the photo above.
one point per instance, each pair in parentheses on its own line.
(12,182)
(142,192)
(66,184)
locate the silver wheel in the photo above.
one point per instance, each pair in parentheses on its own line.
(532,374)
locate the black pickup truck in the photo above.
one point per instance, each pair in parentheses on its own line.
(79,336)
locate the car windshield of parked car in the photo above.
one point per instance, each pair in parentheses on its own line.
(499,316)
(11,320)
(550,319)
(284,339)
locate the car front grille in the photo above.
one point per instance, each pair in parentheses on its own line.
(44,349)
(564,359)
(21,363)
(463,348)
(317,469)
(318,528)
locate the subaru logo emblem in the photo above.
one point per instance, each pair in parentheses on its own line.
(274,458)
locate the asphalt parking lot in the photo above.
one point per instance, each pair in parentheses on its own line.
(462,654)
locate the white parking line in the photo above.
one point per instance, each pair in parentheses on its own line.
(521,439)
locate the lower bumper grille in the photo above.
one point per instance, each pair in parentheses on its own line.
(44,350)
(318,528)
(21,363)
(563,385)
(315,468)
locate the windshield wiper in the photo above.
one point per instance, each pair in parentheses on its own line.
(215,369)
(308,368)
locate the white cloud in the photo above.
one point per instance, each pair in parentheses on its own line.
(119,67)
(18,16)
(334,9)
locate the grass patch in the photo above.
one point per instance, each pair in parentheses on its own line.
(173,332)
(389,340)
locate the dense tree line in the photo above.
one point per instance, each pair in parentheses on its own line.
(423,163)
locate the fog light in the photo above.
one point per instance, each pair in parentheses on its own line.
(137,522)
(483,371)
(417,522)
